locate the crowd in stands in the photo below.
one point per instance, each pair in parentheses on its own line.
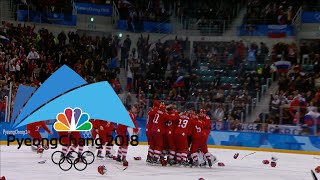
(30,57)
(273,12)
(309,53)
(283,51)
(136,12)
(229,94)
(210,17)
(222,77)
(298,93)
(218,78)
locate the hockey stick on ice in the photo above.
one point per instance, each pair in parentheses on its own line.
(316,158)
(248,155)
(121,168)
(314,175)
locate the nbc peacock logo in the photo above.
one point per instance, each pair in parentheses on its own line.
(73,120)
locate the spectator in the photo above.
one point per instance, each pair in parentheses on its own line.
(218,113)
(62,38)
(251,58)
(33,55)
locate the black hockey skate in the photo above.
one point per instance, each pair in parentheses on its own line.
(172,162)
(109,155)
(194,164)
(209,163)
(99,155)
(204,164)
(156,161)
(69,155)
(149,160)
(118,159)
(185,163)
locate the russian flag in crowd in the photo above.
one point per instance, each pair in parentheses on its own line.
(309,118)
(179,82)
(283,66)
(4,39)
(277,31)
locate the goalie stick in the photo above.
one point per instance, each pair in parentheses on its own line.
(313,175)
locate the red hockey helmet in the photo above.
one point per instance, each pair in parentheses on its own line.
(102,169)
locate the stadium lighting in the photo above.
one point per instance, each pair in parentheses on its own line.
(91,19)
(120,35)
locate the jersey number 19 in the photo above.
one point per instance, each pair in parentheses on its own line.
(183,123)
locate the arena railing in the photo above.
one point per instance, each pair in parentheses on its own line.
(212,27)
(46,15)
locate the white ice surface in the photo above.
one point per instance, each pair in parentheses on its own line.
(22,164)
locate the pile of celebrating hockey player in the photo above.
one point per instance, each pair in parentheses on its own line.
(175,139)
(178,139)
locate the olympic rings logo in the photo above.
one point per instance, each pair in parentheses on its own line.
(86,134)
(80,163)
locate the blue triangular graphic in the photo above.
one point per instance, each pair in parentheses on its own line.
(64,79)
(98,100)
(23,94)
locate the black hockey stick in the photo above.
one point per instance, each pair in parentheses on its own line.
(248,155)
(122,168)
(314,175)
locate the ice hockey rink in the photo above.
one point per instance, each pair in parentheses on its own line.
(23,164)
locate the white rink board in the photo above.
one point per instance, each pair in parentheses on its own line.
(23,164)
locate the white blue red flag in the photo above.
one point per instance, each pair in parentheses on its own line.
(283,66)
(277,31)
(4,39)
(179,82)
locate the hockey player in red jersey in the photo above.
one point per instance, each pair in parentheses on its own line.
(104,130)
(122,133)
(197,136)
(70,141)
(148,129)
(181,132)
(158,131)
(64,139)
(105,133)
(95,134)
(169,134)
(33,131)
(76,136)
(206,129)
(107,129)
(206,126)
